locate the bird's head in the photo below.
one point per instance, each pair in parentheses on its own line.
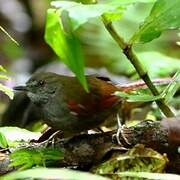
(40,87)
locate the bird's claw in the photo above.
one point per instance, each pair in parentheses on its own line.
(51,138)
(120,135)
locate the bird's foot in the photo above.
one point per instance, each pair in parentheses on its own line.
(120,137)
(51,139)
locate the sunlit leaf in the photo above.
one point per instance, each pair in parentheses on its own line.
(53,173)
(8,91)
(2,69)
(164,15)
(3,76)
(3,141)
(81,13)
(15,135)
(65,44)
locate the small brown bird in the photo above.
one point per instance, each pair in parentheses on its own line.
(67,106)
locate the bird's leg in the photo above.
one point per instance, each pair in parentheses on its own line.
(120,133)
(46,134)
(51,138)
(119,126)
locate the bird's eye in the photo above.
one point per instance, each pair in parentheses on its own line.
(42,82)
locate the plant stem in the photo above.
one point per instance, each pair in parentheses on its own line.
(128,51)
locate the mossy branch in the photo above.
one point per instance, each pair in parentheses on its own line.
(128,51)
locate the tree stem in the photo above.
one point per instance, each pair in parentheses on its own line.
(128,51)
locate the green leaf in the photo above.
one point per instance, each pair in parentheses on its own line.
(2,69)
(164,15)
(137,98)
(2,76)
(65,44)
(82,13)
(12,39)
(26,158)
(53,173)
(3,141)
(15,135)
(8,91)
(172,88)
(137,159)
(112,16)
(146,175)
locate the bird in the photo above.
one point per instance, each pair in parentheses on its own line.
(66,106)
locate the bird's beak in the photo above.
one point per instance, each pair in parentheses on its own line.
(20,88)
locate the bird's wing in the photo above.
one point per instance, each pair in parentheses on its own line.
(99,98)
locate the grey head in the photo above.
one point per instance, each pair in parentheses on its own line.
(41,87)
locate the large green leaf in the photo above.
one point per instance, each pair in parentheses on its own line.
(62,39)
(65,44)
(81,13)
(164,15)
(15,135)
(53,173)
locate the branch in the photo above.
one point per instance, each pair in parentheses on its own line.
(128,51)
(86,150)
